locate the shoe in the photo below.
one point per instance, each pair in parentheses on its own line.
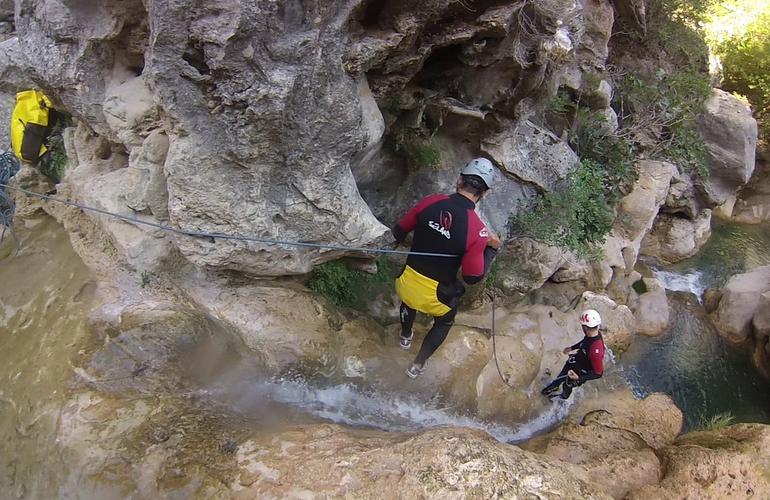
(415,370)
(549,390)
(406,342)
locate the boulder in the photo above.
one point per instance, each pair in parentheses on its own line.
(615,440)
(525,264)
(753,204)
(730,134)
(740,301)
(598,18)
(726,463)
(674,238)
(618,321)
(651,310)
(682,198)
(290,328)
(530,153)
(636,213)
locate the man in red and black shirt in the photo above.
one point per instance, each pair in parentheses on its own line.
(445,224)
(586,360)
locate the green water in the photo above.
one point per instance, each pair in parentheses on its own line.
(732,249)
(704,375)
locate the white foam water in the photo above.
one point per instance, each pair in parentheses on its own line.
(690,282)
(351,405)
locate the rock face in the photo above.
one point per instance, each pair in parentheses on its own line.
(740,301)
(637,212)
(12,79)
(727,463)
(442,463)
(742,314)
(675,238)
(730,133)
(236,111)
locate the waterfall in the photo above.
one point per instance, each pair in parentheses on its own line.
(691,282)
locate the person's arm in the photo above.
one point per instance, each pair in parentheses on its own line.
(477,261)
(596,356)
(409,221)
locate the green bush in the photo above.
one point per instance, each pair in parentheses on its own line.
(667,105)
(426,155)
(54,161)
(345,287)
(577,217)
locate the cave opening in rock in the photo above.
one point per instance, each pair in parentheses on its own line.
(441,69)
(195,57)
(372,15)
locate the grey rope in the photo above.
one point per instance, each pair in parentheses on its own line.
(494,346)
(223,236)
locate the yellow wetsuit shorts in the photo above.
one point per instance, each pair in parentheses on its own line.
(420,293)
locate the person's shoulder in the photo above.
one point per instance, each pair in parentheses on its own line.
(431,199)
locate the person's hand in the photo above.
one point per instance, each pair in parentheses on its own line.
(571,374)
(566,350)
(493,241)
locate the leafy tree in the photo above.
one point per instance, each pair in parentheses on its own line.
(746,67)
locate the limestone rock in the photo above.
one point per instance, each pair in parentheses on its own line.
(102,179)
(598,18)
(651,310)
(531,154)
(637,212)
(727,463)
(753,204)
(13,78)
(289,328)
(439,463)
(617,320)
(236,111)
(682,198)
(741,297)
(527,264)
(616,441)
(673,238)
(730,133)
(130,112)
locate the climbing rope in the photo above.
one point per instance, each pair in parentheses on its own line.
(494,346)
(222,236)
(9,166)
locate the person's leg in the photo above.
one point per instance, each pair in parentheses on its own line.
(435,336)
(406,316)
(554,385)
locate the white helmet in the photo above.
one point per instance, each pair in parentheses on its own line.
(590,318)
(483,168)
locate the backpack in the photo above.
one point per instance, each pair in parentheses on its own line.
(30,124)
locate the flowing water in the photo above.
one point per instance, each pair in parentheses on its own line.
(705,376)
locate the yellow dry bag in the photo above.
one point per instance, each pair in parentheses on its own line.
(29,124)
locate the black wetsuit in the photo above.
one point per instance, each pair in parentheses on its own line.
(441,224)
(587,362)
